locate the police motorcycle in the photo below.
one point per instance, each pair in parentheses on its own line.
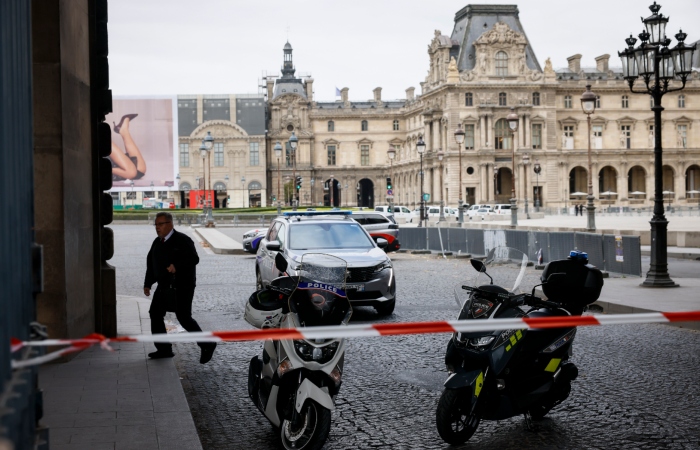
(501,374)
(294,382)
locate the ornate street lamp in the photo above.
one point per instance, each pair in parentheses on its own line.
(278,154)
(526,161)
(133,195)
(588,100)
(441,155)
(391,153)
(513,120)
(537,168)
(205,149)
(653,59)
(420,147)
(293,142)
(459,137)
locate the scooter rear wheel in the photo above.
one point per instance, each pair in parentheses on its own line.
(311,430)
(454,421)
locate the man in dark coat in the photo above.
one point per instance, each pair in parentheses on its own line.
(172,260)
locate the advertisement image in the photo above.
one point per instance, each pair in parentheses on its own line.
(143,147)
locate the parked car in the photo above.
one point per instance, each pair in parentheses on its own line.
(380,225)
(472,211)
(501,209)
(370,276)
(252,238)
(434,212)
(481,213)
(398,211)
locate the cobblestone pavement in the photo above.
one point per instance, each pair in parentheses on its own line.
(637,387)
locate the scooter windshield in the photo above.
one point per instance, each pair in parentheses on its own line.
(503,267)
(320,298)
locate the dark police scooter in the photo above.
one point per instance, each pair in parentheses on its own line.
(501,374)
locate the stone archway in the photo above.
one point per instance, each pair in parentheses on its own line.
(331,192)
(365,193)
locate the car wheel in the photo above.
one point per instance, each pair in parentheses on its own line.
(258,281)
(386,308)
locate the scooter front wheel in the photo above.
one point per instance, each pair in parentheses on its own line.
(310,430)
(455,423)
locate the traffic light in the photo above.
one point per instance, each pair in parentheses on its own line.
(298,180)
(388,182)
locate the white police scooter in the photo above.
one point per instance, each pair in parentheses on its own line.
(294,382)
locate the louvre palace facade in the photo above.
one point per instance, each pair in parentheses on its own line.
(476,75)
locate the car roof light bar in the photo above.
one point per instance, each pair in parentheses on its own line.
(316,213)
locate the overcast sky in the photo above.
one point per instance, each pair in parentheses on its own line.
(164,47)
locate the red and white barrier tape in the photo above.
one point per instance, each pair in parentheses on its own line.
(349,331)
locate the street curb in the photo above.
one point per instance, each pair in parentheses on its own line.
(691,256)
(220,251)
(614,308)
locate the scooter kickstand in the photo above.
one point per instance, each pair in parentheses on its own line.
(529,424)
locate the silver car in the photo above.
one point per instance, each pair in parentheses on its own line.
(370,277)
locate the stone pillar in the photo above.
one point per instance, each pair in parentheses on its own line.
(482,131)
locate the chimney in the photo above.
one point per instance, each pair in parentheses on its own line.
(344,95)
(574,63)
(410,94)
(309,89)
(377,94)
(601,63)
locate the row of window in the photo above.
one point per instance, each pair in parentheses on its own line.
(625,101)
(364,126)
(625,136)
(218,154)
(502,99)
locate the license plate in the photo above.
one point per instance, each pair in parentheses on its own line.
(357,287)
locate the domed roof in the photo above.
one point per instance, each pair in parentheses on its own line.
(287,46)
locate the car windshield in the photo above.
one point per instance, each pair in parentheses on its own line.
(331,235)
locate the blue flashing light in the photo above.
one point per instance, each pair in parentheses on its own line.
(577,254)
(316,213)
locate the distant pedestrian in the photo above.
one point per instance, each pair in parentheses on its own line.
(172,260)
(578,209)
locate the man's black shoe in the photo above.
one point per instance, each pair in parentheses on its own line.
(159,354)
(207,352)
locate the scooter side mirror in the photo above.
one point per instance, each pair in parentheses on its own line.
(280,262)
(478,265)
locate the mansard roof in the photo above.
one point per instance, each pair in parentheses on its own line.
(474,20)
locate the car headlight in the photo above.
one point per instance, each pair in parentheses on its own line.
(383,266)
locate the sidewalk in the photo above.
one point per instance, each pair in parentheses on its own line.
(121,400)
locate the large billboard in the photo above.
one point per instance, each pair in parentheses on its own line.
(144,143)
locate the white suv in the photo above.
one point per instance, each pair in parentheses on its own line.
(472,211)
(399,211)
(502,209)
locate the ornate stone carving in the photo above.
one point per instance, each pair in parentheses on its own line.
(452,71)
(501,33)
(548,70)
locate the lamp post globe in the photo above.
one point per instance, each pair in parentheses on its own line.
(513,120)
(588,100)
(459,138)
(207,144)
(657,65)
(420,148)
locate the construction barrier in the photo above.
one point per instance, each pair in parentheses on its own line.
(351,331)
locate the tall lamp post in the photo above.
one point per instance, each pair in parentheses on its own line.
(513,120)
(441,155)
(495,182)
(653,59)
(243,192)
(278,154)
(391,153)
(313,181)
(420,147)
(205,148)
(459,137)
(537,168)
(526,162)
(588,100)
(293,142)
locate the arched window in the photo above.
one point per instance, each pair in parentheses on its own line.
(396,125)
(535,99)
(254,186)
(468,99)
(185,187)
(502,135)
(567,101)
(219,187)
(364,125)
(501,64)
(625,101)
(681,101)
(502,99)
(331,125)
